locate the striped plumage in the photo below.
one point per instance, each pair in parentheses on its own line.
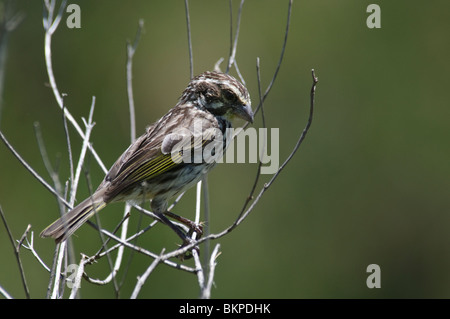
(148,169)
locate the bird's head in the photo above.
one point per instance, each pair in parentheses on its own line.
(220,94)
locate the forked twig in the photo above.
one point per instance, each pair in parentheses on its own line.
(143,278)
(17,250)
(206,292)
(30,246)
(233,43)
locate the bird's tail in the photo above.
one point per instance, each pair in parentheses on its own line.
(64,227)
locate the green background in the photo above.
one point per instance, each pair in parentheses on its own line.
(369,185)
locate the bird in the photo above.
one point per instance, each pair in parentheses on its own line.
(159,165)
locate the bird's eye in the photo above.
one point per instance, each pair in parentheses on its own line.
(229,95)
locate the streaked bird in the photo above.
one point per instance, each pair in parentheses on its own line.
(158,165)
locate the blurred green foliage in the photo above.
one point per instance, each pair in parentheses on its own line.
(369,185)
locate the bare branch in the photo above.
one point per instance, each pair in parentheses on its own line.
(150,254)
(131,49)
(280,60)
(5,293)
(143,278)
(188,27)
(77,280)
(52,272)
(33,172)
(206,220)
(30,246)
(283,49)
(69,146)
(8,23)
(51,171)
(198,264)
(86,143)
(103,240)
(206,292)
(233,47)
(60,248)
(121,248)
(16,252)
(217,65)
(50,26)
(258,173)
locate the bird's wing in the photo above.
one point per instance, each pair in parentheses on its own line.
(150,155)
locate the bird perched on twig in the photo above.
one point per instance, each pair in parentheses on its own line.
(160,164)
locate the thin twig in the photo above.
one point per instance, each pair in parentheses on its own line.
(103,239)
(188,26)
(198,264)
(206,221)
(8,22)
(206,292)
(51,171)
(4,293)
(61,247)
(102,252)
(239,72)
(233,48)
(89,126)
(274,77)
(52,272)
(217,65)
(283,49)
(280,60)
(258,172)
(230,5)
(103,247)
(131,49)
(30,246)
(16,252)
(76,285)
(69,144)
(149,253)
(143,278)
(296,147)
(121,248)
(33,172)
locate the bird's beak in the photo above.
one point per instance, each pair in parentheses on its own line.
(245,112)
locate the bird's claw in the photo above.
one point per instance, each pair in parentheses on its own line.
(188,254)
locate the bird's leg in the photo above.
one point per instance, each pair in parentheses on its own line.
(198,228)
(186,240)
(175,228)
